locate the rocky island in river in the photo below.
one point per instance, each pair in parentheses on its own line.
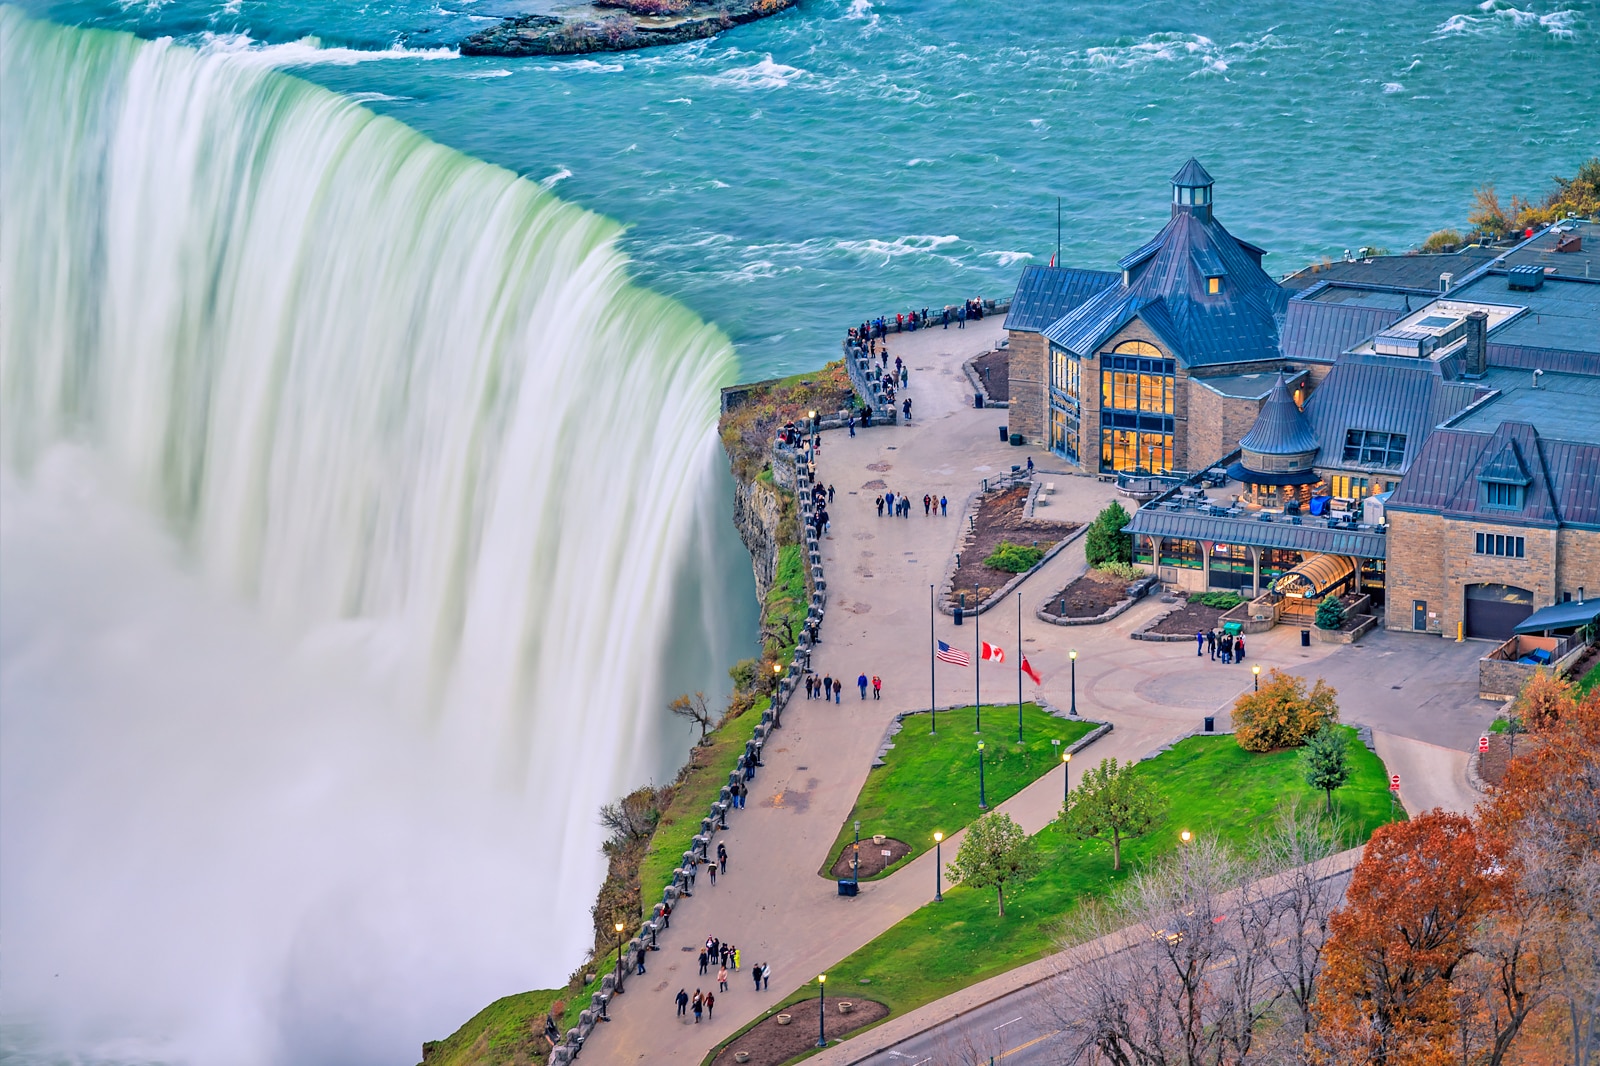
(616,26)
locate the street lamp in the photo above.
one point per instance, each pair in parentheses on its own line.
(1186,836)
(1066,777)
(1073,655)
(813,417)
(618,927)
(1256,670)
(855,857)
(938,862)
(822,1021)
(983,804)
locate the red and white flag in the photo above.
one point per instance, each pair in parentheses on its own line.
(993,653)
(1028,669)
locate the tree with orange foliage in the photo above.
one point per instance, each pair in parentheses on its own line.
(1409,920)
(1281,714)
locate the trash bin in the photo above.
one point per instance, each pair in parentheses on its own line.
(847,887)
(1016,439)
(1003,434)
(958,613)
(1305,638)
(1211,724)
(977,400)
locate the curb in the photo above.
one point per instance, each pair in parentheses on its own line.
(1138,590)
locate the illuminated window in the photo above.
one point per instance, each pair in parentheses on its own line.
(1213,285)
(1138,385)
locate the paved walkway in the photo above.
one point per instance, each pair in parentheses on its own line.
(771,903)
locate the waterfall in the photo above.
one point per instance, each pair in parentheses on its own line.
(359,517)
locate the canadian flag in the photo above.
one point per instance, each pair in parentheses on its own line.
(993,653)
(1028,669)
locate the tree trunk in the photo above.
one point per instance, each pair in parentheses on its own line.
(1116,850)
(1001,891)
(1329,791)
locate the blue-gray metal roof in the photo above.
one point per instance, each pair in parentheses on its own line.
(1281,427)
(1046,293)
(1561,408)
(1564,487)
(1167,290)
(1310,535)
(1192,174)
(1540,250)
(1385,399)
(1546,359)
(1569,615)
(1317,332)
(1562,313)
(1419,273)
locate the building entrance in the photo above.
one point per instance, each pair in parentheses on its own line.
(1493,611)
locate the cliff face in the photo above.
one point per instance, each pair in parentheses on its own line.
(757,512)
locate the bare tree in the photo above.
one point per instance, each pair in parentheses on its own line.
(630,819)
(1301,845)
(695,710)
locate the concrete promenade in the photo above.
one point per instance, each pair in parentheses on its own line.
(771,903)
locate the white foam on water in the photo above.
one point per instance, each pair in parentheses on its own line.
(243,49)
(859,9)
(765,74)
(374,97)
(1007,259)
(1393,87)
(551,181)
(483,75)
(1498,15)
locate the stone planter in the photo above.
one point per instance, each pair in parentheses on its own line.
(785,1019)
(846,1007)
(878,839)
(1357,629)
(741,1056)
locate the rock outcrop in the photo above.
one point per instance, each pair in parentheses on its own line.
(619,26)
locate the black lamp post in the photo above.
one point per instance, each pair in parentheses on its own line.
(855,857)
(938,864)
(1073,655)
(1066,777)
(618,928)
(1256,670)
(822,1020)
(983,803)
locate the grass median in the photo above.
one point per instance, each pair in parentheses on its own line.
(1213,788)
(930,782)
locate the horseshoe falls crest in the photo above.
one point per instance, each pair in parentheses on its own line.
(359,518)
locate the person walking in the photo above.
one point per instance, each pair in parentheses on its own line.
(722,979)
(639,959)
(827,686)
(755,971)
(697,1005)
(879,502)
(838,690)
(705,960)
(1238,648)
(851,422)
(906,407)
(712,867)
(888,498)
(766,975)
(961,317)
(683,1002)
(711,1002)
(1211,643)
(1030,466)
(877,687)
(1199,643)
(861,683)
(944,506)
(945,316)
(927,505)
(722,855)
(736,959)
(830,493)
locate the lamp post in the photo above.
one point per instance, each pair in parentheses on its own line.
(813,417)
(1256,670)
(1066,777)
(983,803)
(1186,836)
(777,681)
(855,857)
(938,864)
(618,927)
(1019,668)
(1073,655)
(822,1021)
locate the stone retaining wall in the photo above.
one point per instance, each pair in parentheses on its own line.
(1136,592)
(978,386)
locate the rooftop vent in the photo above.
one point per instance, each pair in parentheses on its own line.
(1527,278)
(1444,281)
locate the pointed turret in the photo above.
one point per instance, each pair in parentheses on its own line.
(1191,190)
(1281,429)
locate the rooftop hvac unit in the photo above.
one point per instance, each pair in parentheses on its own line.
(1445,280)
(1527,278)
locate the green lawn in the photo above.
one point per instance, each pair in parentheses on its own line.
(788,601)
(507,1031)
(930,782)
(1214,789)
(691,801)
(1589,680)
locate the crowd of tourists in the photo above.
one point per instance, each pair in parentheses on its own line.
(1223,647)
(911,321)
(719,958)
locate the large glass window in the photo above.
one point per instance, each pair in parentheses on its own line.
(1066,374)
(1137,390)
(1371,448)
(1064,433)
(1181,553)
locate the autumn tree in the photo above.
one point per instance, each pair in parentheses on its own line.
(1325,761)
(694,709)
(1282,713)
(995,851)
(1113,801)
(1410,917)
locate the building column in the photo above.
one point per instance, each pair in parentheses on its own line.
(1255,572)
(1205,565)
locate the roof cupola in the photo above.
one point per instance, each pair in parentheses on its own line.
(1191,190)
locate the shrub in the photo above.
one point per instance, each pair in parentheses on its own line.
(1126,571)
(1282,714)
(1014,558)
(1330,613)
(1105,542)
(1443,240)
(1222,601)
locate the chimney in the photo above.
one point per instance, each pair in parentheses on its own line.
(1477,354)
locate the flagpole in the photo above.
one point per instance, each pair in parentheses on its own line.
(1058,245)
(933,697)
(977,669)
(1019,668)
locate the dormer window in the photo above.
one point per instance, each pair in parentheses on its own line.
(1213,285)
(1504,495)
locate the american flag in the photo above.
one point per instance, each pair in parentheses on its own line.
(947,654)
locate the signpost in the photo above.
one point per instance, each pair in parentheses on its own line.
(1394,791)
(1483,745)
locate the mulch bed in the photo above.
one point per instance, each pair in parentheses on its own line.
(1189,618)
(1089,596)
(770,1044)
(1492,764)
(1000,518)
(873,858)
(997,382)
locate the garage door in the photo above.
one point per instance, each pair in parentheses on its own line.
(1493,611)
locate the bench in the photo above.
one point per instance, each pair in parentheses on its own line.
(1049,488)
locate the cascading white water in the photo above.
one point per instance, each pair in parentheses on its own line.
(354,508)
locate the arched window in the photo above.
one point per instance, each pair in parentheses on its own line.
(1144,348)
(1137,389)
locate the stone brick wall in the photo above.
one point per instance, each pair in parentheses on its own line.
(1029,376)
(1216,423)
(1578,562)
(1432,558)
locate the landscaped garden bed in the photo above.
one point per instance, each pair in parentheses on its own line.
(1212,787)
(1090,595)
(994,371)
(929,782)
(770,1041)
(875,858)
(1202,612)
(1001,534)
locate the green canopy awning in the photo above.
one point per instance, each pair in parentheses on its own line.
(1561,616)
